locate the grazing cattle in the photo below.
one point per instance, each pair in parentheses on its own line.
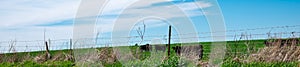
(159,47)
(177,49)
(148,47)
(282,42)
(188,51)
(145,47)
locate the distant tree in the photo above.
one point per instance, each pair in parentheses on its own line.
(141,32)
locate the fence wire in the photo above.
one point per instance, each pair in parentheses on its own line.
(241,34)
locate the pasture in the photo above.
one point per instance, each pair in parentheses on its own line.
(237,55)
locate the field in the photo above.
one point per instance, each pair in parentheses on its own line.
(237,55)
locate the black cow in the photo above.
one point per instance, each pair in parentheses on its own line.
(148,47)
(145,47)
(159,47)
(198,49)
(177,49)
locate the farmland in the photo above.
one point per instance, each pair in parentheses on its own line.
(236,52)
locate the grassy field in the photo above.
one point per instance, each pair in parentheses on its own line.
(234,49)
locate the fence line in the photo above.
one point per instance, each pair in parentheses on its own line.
(58,44)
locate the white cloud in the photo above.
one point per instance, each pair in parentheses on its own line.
(18,17)
(22,15)
(37,33)
(136,10)
(28,12)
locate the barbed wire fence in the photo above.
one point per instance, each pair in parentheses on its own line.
(232,35)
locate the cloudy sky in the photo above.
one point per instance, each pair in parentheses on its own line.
(27,19)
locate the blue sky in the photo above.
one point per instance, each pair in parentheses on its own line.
(26,19)
(260,13)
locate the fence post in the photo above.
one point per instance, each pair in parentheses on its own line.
(48,55)
(169,42)
(47,49)
(235,45)
(49,44)
(70,49)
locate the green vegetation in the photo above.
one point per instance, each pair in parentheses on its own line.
(234,49)
(34,64)
(231,63)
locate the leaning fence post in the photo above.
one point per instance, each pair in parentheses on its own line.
(47,49)
(49,43)
(48,55)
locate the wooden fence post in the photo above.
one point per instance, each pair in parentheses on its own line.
(49,43)
(48,55)
(169,42)
(71,47)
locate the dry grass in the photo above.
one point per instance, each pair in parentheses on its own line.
(277,53)
(62,56)
(42,58)
(192,54)
(203,64)
(106,55)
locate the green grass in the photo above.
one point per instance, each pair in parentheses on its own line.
(233,49)
(34,64)
(231,63)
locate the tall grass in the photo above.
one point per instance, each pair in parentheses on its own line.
(231,63)
(259,56)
